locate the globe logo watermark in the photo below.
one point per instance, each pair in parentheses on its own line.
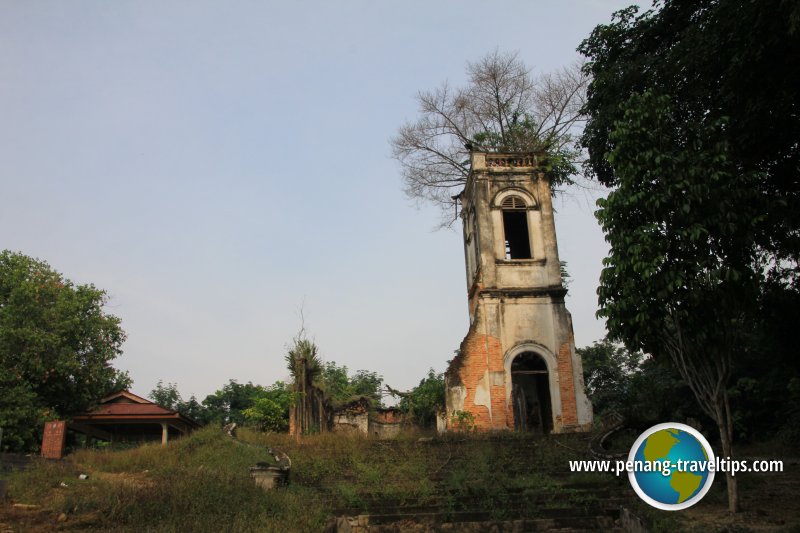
(671,466)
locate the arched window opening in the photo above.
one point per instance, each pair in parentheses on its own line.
(515,228)
(531,394)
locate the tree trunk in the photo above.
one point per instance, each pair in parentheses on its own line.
(724,423)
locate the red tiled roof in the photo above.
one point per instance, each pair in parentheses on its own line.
(130,408)
(141,409)
(124,396)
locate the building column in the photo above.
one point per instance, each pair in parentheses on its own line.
(164,434)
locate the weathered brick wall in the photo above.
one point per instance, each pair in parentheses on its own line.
(569,409)
(389,416)
(480,370)
(54,440)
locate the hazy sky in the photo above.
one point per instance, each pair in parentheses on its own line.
(216,165)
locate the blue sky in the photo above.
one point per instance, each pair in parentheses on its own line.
(215,166)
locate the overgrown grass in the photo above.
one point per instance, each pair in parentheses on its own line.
(201,483)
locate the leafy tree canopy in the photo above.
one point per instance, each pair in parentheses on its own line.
(693,119)
(726,66)
(56,347)
(608,369)
(229,403)
(423,401)
(166,395)
(341,387)
(270,410)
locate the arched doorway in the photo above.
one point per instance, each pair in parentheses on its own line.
(530,394)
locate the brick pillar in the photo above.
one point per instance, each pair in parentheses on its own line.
(54,440)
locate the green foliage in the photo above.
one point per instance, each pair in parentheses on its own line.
(341,387)
(193,409)
(694,119)
(463,421)
(270,411)
(229,403)
(303,361)
(717,60)
(56,345)
(765,397)
(21,413)
(681,226)
(608,371)
(423,401)
(167,396)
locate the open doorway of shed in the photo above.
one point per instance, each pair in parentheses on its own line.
(531,394)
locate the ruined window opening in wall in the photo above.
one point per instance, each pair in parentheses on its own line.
(515,228)
(531,394)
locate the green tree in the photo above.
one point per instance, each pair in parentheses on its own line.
(609,370)
(229,403)
(693,119)
(644,390)
(333,379)
(727,65)
(166,395)
(423,401)
(341,387)
(683,273)
(270,411)
(21,413)
(56,347)
(193,409)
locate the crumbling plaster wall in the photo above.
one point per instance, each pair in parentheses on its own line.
(351,422)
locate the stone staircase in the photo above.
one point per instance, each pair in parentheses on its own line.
(497,484)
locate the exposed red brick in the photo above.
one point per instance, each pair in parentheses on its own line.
(569,409)
(54,440)
(479,354)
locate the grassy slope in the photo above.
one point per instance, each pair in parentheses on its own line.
(201,483)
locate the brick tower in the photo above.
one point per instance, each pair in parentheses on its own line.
(517,367)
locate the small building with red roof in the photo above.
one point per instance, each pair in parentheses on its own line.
(120,417)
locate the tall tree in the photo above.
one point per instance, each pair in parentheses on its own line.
(693,118)
(56,347)
(503,107)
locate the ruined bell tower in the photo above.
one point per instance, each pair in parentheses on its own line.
(517,367)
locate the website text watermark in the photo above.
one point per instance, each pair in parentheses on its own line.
(666,467)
